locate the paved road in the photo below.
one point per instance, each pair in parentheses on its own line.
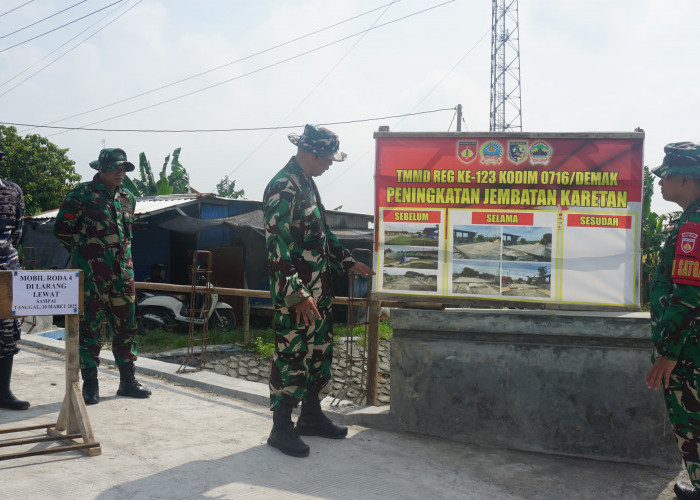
(189,443)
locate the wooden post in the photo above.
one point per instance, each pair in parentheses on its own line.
(246,314)
(375,308)
(73,418)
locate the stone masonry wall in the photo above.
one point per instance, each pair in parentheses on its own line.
(348,384)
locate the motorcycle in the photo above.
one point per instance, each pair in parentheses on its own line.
(170,311)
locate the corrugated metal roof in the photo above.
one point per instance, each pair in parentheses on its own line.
(147,205)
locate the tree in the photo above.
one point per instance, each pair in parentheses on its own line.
(39,167)
(227,189)
(177,182)
(652,236)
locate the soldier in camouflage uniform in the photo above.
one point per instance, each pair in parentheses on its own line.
(94,223)
(302,252)
(675,304)
(11,217)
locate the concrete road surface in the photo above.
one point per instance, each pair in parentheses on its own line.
(189,443)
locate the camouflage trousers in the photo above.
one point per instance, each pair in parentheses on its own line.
(302,359)
(9,335)
(683,407)
(108,307)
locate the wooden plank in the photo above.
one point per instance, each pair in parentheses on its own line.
(240,292)
(28,428)
(58,449)
(72,414)
(94,450)
(6,298)
(375,309)
(41,439)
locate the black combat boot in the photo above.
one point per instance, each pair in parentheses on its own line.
(312,421)
(7,399)
(91,388)
(128,385)
(283,436)
(686,491)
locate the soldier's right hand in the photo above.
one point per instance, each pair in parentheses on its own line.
(307,310)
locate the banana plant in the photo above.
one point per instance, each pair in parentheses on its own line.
(145,185)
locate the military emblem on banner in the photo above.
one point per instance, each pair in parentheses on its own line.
(688,242)
(517,151)
(466,150)
(491,153)
(540,153)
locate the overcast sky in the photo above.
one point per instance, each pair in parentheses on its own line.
(586,65)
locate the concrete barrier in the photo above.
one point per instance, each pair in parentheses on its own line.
(561,382)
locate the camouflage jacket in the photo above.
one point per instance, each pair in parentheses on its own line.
(675,292)
(11,218)
(301,249)
(95,226)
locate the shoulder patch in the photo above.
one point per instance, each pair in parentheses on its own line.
(686,259)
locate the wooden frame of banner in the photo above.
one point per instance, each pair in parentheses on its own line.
(73,425)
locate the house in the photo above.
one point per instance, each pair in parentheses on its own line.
(168,229)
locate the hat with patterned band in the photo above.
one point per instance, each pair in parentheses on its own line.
(110,159)
(319,141)
(682,160)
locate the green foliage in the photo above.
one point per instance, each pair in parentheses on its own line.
(262,340)
(652,237)
(385,332)
(177,182)
(39,167)
(261,347)
(226,188)
(179,179)
(166,340)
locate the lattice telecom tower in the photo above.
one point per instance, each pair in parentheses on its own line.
(505,67)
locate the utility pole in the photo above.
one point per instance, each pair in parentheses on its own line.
(506,114)
(459,117)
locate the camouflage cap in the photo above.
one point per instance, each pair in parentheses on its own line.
(110,159)
(319,141)
(682,159)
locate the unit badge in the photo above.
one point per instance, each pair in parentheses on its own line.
(466,150)
(540,153)
(517,151)
(491,153)
(688,240)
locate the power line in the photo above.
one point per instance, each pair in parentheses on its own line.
(209,87)
(42,20)
(66,52)
(454,67)
(58,28)
(14,9)
(323,79)
(218,67)
(241,129)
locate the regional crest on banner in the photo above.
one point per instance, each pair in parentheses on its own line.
(466,150)
(517,151)
(491,153)
(540,153)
